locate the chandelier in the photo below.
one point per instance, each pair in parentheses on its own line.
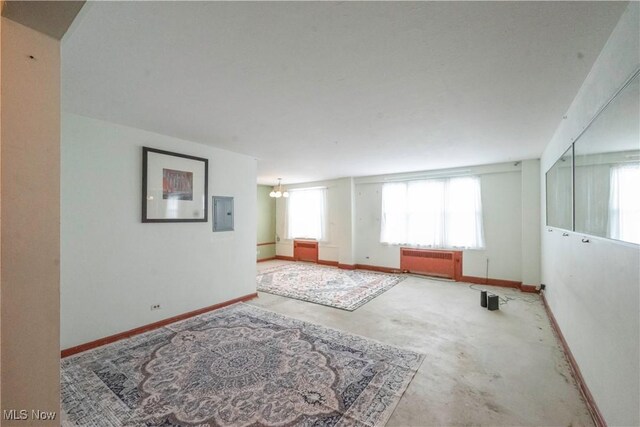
(277,191)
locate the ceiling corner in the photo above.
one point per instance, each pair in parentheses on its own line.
(52,18)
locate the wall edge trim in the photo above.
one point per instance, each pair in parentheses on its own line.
(336,264)
(491,282)
(151,326)
(378,268)
(468,279)
(530,289)
(594,411)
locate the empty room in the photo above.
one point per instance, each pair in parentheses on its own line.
(319,213)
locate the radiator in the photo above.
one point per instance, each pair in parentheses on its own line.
(447,264)
(305,250)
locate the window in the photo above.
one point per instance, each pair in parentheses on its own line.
(306,213)
(439,213)
(624,203)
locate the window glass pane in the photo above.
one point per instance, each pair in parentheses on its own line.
(439,213)
(394,202)
(624,203)
(306,213)
(464,220)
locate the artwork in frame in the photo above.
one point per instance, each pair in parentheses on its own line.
(174,187)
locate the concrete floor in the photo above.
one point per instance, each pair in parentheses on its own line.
(482,368)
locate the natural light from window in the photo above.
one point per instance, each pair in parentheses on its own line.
(437,213)
(306,211)
(624,203)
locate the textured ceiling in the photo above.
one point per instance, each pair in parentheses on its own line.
(318,90)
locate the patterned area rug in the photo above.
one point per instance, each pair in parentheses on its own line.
(345,289)
(237,366)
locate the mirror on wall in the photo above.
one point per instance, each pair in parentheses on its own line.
(559,192)
(607,170)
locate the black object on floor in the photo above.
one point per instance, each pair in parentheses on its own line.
(493,302)
(483,298)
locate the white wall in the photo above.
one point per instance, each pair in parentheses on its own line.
(501,205)
(354,209)
(530,220)
(593,288)
(30,220)
(113,266)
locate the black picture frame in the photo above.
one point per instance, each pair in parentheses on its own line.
(167,194)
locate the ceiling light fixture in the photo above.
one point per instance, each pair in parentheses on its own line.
(277,191)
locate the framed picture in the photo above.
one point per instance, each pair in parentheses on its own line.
(174,187)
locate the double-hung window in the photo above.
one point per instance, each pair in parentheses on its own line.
(438,213)
(306,213)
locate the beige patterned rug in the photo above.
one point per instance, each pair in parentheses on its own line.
(238,366)
(330,286)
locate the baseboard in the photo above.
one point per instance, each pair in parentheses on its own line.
(333,264)
(377,268)
(530,289)
(266,259)
(470,279)
(142,329)
(597,416)
(491,282)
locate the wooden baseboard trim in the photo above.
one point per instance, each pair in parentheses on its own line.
(530,289)
(142,329)
(470,279)
(266,259)
(597,416)
(377,268)
(336,264)
(491,282)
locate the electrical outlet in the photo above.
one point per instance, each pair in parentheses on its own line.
(155,307)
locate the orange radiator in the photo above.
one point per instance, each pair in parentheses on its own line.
(305,250)
(432,262)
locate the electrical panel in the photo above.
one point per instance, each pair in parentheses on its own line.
(222,213)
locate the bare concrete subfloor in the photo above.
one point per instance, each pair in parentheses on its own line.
(501,368)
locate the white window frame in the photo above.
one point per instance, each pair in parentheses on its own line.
(321,234)
(422,213)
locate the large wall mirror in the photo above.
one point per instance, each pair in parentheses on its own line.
(607,170)
(606,174)
(560,192)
